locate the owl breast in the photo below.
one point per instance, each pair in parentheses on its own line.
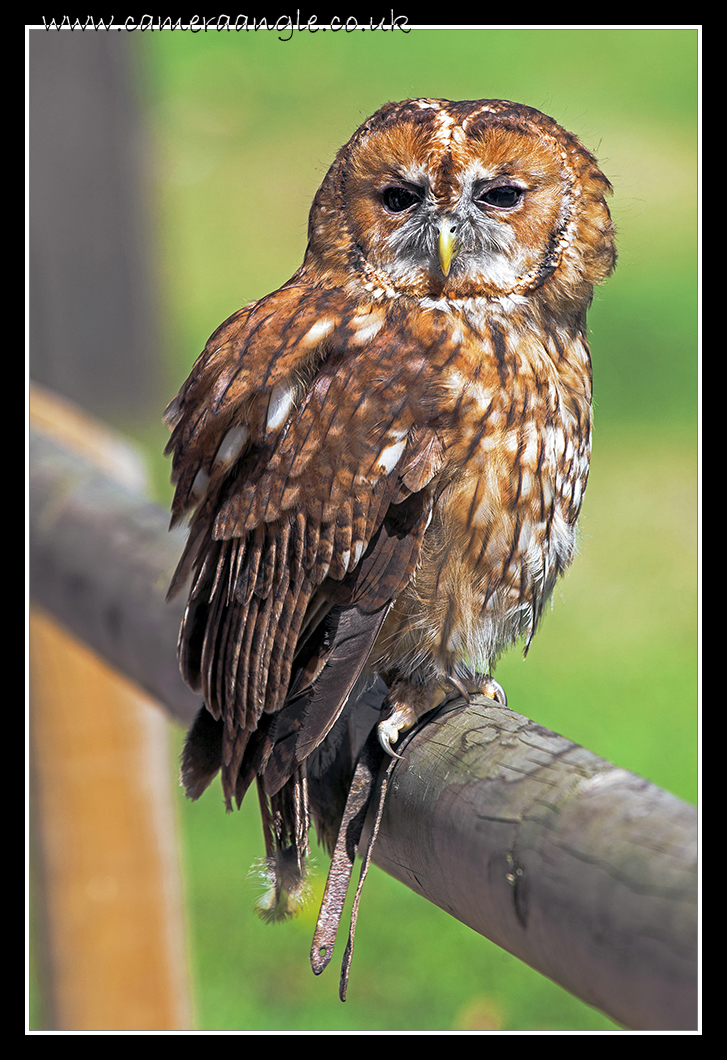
(504,528)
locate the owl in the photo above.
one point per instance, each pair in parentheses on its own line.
(384,460)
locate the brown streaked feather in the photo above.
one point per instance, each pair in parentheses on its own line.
(256,595)
(388,564)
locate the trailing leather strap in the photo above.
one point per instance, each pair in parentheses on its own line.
(348,955)
(359,798)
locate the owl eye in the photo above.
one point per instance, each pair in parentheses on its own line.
(396,198)
(503,197)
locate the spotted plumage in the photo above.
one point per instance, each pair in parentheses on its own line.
(384,460)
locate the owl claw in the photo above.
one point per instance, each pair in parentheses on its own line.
(484,685)
(494,690)
(460,687)
(400,719)
(385,741)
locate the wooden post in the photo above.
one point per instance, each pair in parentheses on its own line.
(106,886)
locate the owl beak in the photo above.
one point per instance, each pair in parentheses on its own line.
(448,246)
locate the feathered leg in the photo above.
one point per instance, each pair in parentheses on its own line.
(286,820)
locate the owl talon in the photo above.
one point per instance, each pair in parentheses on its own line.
(494,690)
(400,720)
(460,687)
(483,685)
(385,741)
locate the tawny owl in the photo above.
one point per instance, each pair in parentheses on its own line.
(384,460)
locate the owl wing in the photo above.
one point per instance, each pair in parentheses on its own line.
(307,443)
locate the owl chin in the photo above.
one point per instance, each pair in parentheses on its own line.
(383,461)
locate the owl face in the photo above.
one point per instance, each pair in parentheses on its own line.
(458,200)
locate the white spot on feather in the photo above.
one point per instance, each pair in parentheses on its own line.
(367,325)
(231,446)
(282,398)
(389,456)
(318,331)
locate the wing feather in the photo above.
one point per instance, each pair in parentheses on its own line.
(309,463)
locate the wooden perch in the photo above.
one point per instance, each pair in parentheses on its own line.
(586,872)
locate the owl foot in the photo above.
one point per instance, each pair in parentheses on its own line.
(400,720)
(405,705)
(483,685)
(493,690)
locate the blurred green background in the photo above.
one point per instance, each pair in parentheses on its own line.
(240,131)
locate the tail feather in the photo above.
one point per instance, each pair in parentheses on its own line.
(202,754)
(285,825)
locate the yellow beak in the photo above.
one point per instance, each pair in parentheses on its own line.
(447,246)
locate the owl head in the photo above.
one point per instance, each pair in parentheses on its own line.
(460,200)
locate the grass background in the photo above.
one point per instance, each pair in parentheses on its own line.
(240,131)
